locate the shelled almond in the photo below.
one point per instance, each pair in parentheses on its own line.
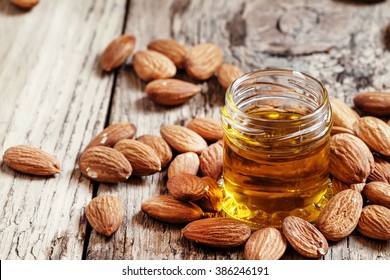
(151,65)
(25,4)
(31,160)
(171,91)
(227,73)
(117,52)
(265,244)
(170,48)
(373,103)
(105,214)
(185,163)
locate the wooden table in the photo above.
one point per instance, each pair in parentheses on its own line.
(55,96)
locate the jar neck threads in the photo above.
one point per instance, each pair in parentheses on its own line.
(280,109)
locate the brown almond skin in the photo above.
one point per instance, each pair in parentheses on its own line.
(113,133)
(227,73)
(183,139)
(217,232)
(339,129)
(373,103)
(338,186)
(171,92)
(343,115)
(31,160)
(159,145)
(375,133)
(265,244)
(187,187)
(104,164)
(105,214)
(151,65)
(374,222)
(117,52)
(211,161)
(212,200)
(378,193)
(203,60)
(168,209)
(142,157)
(208,128)
(350,159)
(305,238)
(381,172)
(25,4)
(185,163)
(340,215)
(170,48)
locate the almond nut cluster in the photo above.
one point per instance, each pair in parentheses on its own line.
(160,62)
(191,154)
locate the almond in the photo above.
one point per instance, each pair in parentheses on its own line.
(305,238)
(217,232)
(105,214)
(25,4)
(350,159)
(171,91)
(112,134)
(117,52)
(212,200)
(183,139)
(168,209)
(373,103)
(378,193)
(31,160)
(170,48)
(211,161)
(265,244)
(340,215)
(187,187)
(338,186)
(381,171)
(142,157)
(339,129)
(151,65)
(374,222)
(375,133)
(203,60)
(104,164)
(227,73)
(208,128)
(159,145)
(343,115)
(186,163)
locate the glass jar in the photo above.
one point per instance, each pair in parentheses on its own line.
(276,147)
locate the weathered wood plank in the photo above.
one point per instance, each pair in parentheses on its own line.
(54,96)
(336,41)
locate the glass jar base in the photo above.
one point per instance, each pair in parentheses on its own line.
(260,219)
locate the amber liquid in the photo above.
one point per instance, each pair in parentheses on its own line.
(262,189)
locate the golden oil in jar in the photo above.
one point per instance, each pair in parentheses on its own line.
(276,147)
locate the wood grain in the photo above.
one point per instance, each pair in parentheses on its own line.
(55,96)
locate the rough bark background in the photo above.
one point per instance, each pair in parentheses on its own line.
(55,96)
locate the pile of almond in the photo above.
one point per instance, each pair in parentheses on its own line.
(160,62)
(359,167)
(187,151)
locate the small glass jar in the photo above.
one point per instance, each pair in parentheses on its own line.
(276,147)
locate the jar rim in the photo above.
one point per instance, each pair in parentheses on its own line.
(277,71)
